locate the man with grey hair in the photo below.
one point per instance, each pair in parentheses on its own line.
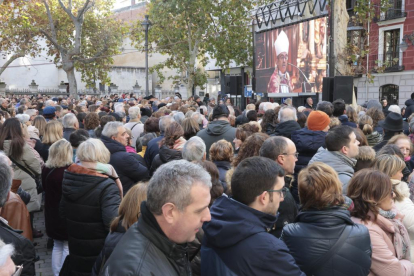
(130,167)
(25,252)
(50,103)
(135,124)
(287,122)
(198,118)
(153,147)
(70,125)
(179,117)
(177,206)
(4,104)
(326,107)
(194,149)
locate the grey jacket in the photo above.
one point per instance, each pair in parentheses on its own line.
(216,131)
(343,166)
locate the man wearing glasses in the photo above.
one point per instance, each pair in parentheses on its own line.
(280,80)
(283,151)
(236,240)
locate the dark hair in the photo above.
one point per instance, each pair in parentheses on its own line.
(273,147)
(253,176)
(217,188)
(92,121)
(270,117)
(412,96)
(190,127)
(147,137)
(81,116)
(21,109)
(252,115)
(302,118)
(391,149)
(77,137)
(338,137)
(250,147)
(367,188)
(376,114)
(360,136)
(12,130)
(246,130)
(103,121)
(338,107)
(173,132)
(152,124)
(326,107)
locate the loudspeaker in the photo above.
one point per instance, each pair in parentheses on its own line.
(343,88)
(233,85)
(327,89)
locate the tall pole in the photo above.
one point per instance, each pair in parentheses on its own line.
(146,23)
(332,41)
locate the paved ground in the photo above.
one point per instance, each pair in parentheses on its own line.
(43,266)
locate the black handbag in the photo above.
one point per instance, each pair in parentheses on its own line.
(37,178)
(65,270)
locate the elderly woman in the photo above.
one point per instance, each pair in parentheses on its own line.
(325,217)
(403,142)
(135,124)
(372,194)
(392,166)
(221,154)
(90,200)
(60,158)
(53,132)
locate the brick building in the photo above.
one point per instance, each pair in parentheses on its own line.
(385,36)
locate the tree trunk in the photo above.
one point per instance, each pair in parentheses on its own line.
(73,88)
(191,73)
(8,62)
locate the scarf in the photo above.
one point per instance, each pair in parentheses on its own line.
(106,169)
(179,143)
(350,161)
(401,239)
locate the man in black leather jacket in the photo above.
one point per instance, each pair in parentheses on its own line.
(177,206)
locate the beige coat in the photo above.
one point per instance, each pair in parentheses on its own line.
(29,161)
(384,261)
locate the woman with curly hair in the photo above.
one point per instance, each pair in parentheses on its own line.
(242,133)
(170,146)
(91,123)
(269,122)
(377,115)
(250,147)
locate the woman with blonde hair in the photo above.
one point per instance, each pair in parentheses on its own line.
(128,213)
(39,122)
(53,132)
(60,158)
(91,194)
(372,194)
(325,217)
(393,166)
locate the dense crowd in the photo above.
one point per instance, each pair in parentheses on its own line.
(142,186)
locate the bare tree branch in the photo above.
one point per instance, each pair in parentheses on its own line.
(11,59)
(54,42)
(95,57)
(51,23)
(67,10)
(85,8)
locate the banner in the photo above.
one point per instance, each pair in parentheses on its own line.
(292,59)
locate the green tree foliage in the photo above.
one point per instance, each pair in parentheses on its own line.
(187,30)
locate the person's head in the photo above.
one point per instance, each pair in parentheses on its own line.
(221,150)
(326,107)
(309,101)
(391,165)
(370,190)
(172,133)
(194,149)
(318,121)
(81,116)
(243,132)
(281,150)
(24,119)
(258,182)
(7,266)
(93,150)
(287,113)
(338,107)
(130,208)
(282,51)
(270,117)
(134,113)
(92,121)
(152,124)
(394,108)
(190,127)
(164,122)
(319,187)
(250,147)
(376,114)
(251,115)
(40,123)
(365,123)
(178,196)
(221,112)
(216,188)
(116,131)
(4,103)
(53,132)
(179,117)
(365,158)
(342,139)
(6,178)
(12,130)
(70,121)
(360,136)
(391,149)
(351,113)
(77,137)
(60,154)
(147,138)
(403,142)
(384,102)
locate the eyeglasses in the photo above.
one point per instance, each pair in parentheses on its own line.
(282,192)
(19,269)
(296,154)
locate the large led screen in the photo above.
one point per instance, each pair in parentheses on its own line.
(284,56)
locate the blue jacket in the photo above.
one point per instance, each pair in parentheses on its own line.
(236,242)
(152,150)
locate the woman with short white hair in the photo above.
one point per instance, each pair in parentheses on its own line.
(135,124)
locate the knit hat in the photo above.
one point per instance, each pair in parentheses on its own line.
(318,120)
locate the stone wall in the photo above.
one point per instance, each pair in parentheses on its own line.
(340,34)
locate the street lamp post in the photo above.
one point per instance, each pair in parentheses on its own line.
(146,24)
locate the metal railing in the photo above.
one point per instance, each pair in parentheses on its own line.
(379,63)
(391,14)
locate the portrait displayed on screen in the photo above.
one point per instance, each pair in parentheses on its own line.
(292,59)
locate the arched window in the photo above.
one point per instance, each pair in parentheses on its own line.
(389,92)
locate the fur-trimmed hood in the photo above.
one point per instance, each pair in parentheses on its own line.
(366,153)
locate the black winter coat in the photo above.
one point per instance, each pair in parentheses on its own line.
(110,242)
(153,149)
(286,128)
(165,155)
(145,250)
(345,121)
(315,232)
(89,204)
(130,167)
(307,143)
(223,167)
(410,108)
(24,249)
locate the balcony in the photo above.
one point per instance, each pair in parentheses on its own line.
(378,65)
(391,14)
